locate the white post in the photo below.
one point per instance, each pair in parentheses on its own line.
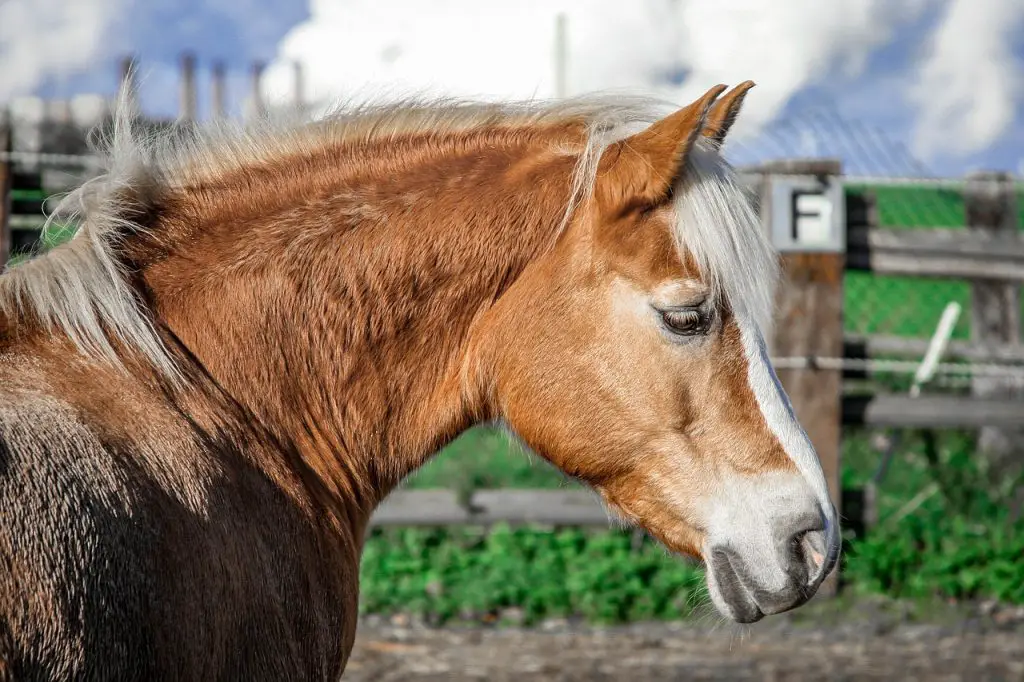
(561,56)
(187,107)
(300,86)
(936,348)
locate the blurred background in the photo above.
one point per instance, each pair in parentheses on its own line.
(909,369)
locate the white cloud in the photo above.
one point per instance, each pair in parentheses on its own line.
(505,49)
(970,81)
(785,46)
(962,96)
(46,38)
(964,90)
(393,47)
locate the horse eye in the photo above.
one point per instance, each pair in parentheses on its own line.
(686,321)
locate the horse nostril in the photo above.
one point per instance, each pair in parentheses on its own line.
(814,550)
(806,549)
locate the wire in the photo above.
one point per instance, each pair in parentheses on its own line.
(897,366)
(83,160)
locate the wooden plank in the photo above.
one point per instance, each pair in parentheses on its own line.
(930,252)
(936,252)
(5,194)
(487,507)
(933,411)
(990,203)
(30,223)
(809,322)
(859,346)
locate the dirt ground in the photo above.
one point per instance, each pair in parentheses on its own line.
(868,641)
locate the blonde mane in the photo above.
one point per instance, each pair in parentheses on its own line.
(82,289)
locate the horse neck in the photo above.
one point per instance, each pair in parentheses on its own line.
(338,309)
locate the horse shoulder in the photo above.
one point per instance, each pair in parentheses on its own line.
(131,543)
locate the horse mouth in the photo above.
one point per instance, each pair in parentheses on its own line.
(739,595)
(728,590)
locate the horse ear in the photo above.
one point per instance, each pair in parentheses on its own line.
(640,170)
(723,114)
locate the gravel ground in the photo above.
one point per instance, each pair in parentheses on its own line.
(860,641)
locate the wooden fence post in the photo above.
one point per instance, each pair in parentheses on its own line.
(188,105)
(257,105)
(802,205)
(990,207)
(219,86)
(5,193)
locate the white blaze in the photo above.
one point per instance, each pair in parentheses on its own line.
(781,419)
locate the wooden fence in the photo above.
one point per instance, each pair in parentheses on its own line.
(812,354)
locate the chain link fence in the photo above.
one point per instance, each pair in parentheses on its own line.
(898,305)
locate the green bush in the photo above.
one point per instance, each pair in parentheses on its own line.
(444,575)
(956,557)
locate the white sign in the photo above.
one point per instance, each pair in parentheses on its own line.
(807,214)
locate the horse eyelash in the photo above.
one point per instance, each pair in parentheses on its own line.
(699,320)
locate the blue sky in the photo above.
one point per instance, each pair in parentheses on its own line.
(888,85)
(236,32)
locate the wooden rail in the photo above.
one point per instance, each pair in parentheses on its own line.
(861,346)
(937,252)
(487,507)
(932,412)
(5,195)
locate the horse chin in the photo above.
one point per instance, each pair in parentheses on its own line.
(731,598)
(726,589)
(746,595)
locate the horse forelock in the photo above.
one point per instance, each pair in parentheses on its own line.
(719,226)
(716,223)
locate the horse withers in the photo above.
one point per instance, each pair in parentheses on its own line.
(258,332)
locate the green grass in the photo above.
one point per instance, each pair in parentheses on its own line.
(947,527)
(28,195)
(58,234)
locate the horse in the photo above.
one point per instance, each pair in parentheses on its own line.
(259,329)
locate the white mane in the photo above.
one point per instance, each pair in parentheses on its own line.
(81,288)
